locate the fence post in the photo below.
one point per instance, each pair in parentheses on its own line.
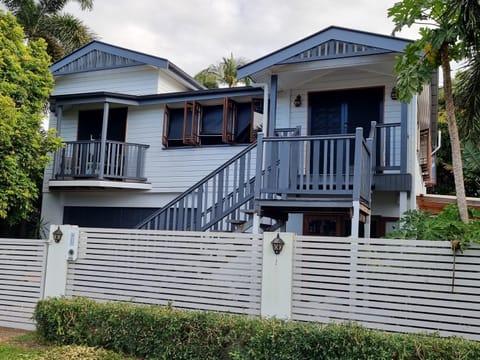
(277,276)
(59,253)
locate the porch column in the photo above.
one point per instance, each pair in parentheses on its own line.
(59,112)
(103,144)
(58,126)
(272,120)
(404,138)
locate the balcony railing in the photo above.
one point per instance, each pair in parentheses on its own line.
(321,165)
(390,153)
(82,159)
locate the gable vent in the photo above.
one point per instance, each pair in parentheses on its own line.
(334,49)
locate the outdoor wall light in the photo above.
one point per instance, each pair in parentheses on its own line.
(57,235)
(393,94)
(277,244)
(298,101)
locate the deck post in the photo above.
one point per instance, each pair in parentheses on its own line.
(355,219)
(272,118)
(103,144)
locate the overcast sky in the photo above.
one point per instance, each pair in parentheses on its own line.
(196,33)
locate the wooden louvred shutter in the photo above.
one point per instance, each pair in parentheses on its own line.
(257,107)
(426,156)
(191,123)
(166,125)
(229,120)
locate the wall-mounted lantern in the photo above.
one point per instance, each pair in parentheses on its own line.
(277,244)
(393,93)
(298,101)
(57,235)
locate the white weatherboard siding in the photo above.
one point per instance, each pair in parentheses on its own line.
(168,84)
(134,80)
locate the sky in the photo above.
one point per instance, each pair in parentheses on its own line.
(193,34)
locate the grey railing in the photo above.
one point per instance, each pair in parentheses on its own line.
(81,159)
(217,202)
(389,147)
(322,165)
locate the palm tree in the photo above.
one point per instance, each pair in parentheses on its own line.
(63,32)
(225,72)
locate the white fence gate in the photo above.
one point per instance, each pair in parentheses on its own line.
(395,285)
(22,269)
(193,270)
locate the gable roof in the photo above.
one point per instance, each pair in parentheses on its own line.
(330,43)
(98,55)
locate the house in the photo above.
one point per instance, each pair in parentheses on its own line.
(318,145)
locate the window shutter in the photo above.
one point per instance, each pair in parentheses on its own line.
(191,121)
(229,120)
(426,156)
(166,125)
(256,124)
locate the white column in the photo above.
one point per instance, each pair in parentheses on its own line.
(355,219)
(277,277)
(367,226)
(402,203)
(59,253)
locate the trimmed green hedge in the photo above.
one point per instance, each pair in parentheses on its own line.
(155,332)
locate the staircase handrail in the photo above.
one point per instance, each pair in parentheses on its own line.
(195,186)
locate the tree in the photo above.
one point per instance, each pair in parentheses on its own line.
(224,73)
(25,85)
(63,32)
(449,31)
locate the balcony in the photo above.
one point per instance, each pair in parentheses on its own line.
(83,163)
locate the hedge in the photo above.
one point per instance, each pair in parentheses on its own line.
(158,332)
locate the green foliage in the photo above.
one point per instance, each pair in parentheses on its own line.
(154,332)
(446,226)
(62,32)
(25,85)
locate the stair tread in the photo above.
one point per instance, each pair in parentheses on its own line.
(236,221)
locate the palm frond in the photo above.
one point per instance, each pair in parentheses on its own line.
(471,159)
(70,32)
(467,98)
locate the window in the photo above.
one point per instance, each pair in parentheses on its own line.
(210,124)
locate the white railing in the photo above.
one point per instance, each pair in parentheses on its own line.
(22,269)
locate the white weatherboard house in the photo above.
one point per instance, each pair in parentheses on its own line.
(318,145)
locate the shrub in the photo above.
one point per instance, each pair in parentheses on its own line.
(447,225)
(155,332)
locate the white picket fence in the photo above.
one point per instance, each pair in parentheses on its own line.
(193,270)
(22,265)
(394,285)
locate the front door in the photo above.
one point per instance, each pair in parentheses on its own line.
(342,111)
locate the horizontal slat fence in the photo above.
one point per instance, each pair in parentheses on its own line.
(22,269)
(393,285)
(193,270)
